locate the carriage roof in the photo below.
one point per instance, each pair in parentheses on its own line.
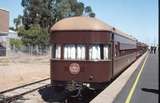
(83,23)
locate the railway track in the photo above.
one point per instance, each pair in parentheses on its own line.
(13,94)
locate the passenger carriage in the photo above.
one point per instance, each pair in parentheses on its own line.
(87,51)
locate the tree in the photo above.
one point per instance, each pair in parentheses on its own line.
(16,43)
(34,36)
(47,12)
(18,21)
(40,15)
(89,12)
(12,28)
(92,14)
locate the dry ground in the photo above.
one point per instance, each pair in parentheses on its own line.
(22,69)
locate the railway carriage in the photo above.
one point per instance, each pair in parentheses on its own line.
(141,48)
(87,51)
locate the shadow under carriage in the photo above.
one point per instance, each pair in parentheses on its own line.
(50,94)
(60,95)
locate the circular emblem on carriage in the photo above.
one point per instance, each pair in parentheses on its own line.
(74,68)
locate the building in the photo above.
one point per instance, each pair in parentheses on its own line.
(4,29)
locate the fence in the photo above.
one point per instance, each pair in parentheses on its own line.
(31,50)
(2,51)
(35,51)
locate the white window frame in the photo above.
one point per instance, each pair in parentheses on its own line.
(56,51)
(81,52)
(69,51)
(74,52)
(106,52)
(94,52)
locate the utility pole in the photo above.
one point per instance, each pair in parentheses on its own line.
(154,42)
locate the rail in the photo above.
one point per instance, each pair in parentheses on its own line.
(13,94)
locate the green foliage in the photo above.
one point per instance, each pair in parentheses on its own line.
(88,9)
(39,15)
(92,14)
(34,36)
(38,12)
(16,42)
(47,12)
(12,28)
(89,12)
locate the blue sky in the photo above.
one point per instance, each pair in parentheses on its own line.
(135,17)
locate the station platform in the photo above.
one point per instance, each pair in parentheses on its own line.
(138,84)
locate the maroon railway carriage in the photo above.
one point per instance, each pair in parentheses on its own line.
(141,48)
(86,51)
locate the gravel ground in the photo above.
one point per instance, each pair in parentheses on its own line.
(33,97)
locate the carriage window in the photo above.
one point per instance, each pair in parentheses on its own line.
(106,53)
(74,52)
(58,52)
(81,52)
(69,52)
(94,52)
(99,52)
